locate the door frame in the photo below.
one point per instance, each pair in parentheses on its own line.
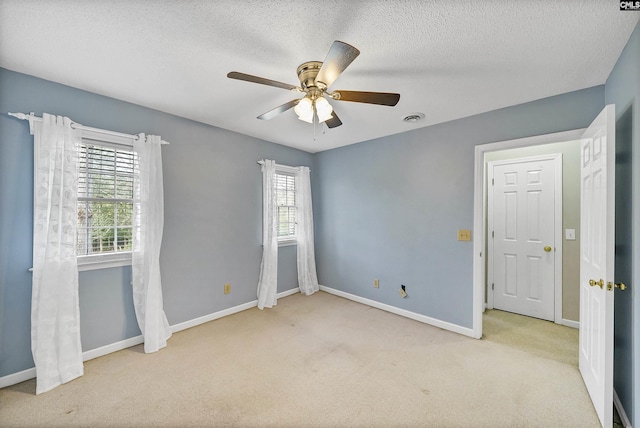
(557,235)
(479,207)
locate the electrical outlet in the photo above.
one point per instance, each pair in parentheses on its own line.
(464,235)
(227,288)
(376,283)
(402,293)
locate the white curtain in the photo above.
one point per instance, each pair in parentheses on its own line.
(268,282)
(307,277)
(148,224)
(55,309)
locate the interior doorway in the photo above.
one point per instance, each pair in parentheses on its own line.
(569,310)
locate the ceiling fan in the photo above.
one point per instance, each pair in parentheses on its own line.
(315,78)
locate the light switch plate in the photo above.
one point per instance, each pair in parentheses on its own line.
(464,235)
(570,234)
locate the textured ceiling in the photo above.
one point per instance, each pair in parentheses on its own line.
(447,59)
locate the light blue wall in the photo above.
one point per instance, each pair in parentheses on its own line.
(623,90)
(390,208)
(213,217)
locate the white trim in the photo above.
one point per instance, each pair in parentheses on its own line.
(571,323)
(98,261)
(402,312)
(214,316)
(225,312)
(15,378)
(288,241)
(557,219)
(559,211)
(479,268)
(27,374)
(479,244)
(286,293)
(626,423)
(113,347)
(104,261)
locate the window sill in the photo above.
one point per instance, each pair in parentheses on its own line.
(103,261)
(287,243)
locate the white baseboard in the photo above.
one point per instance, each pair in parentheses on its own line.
(113,347)
(402,312)
(14,378)
(214,316)
(626,423)
(286,293)
(27,374)
(570,323)
(226,312)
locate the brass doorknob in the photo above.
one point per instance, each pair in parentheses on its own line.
(611,286)
(547,248)
(593,283)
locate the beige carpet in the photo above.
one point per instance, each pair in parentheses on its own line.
(531,335)
(314,361)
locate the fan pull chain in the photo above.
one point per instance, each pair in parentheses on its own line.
(314,127)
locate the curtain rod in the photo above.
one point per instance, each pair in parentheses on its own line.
(31,117)
(285,167)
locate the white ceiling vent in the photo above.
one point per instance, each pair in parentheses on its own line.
(413,117)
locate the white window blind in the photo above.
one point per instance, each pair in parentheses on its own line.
(105,198)
(286,201)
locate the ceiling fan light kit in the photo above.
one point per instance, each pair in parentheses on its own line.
(304,110)
(315,78)
(323,109)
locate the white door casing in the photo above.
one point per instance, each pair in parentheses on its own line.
(525,223)
(597,246)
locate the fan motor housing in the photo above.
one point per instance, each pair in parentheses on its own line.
(307,73)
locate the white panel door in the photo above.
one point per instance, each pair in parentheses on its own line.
(597,219)
(522,217)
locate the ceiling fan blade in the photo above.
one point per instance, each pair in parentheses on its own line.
(381,98)
(337,60)
(334,121)
(280,109)
(260,80)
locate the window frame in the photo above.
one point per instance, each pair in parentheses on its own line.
(115,259)
(291,171)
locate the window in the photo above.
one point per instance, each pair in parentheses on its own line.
(105,204)
(286,201)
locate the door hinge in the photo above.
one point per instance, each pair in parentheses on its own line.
(492,234)
(493,180)
(492,285)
